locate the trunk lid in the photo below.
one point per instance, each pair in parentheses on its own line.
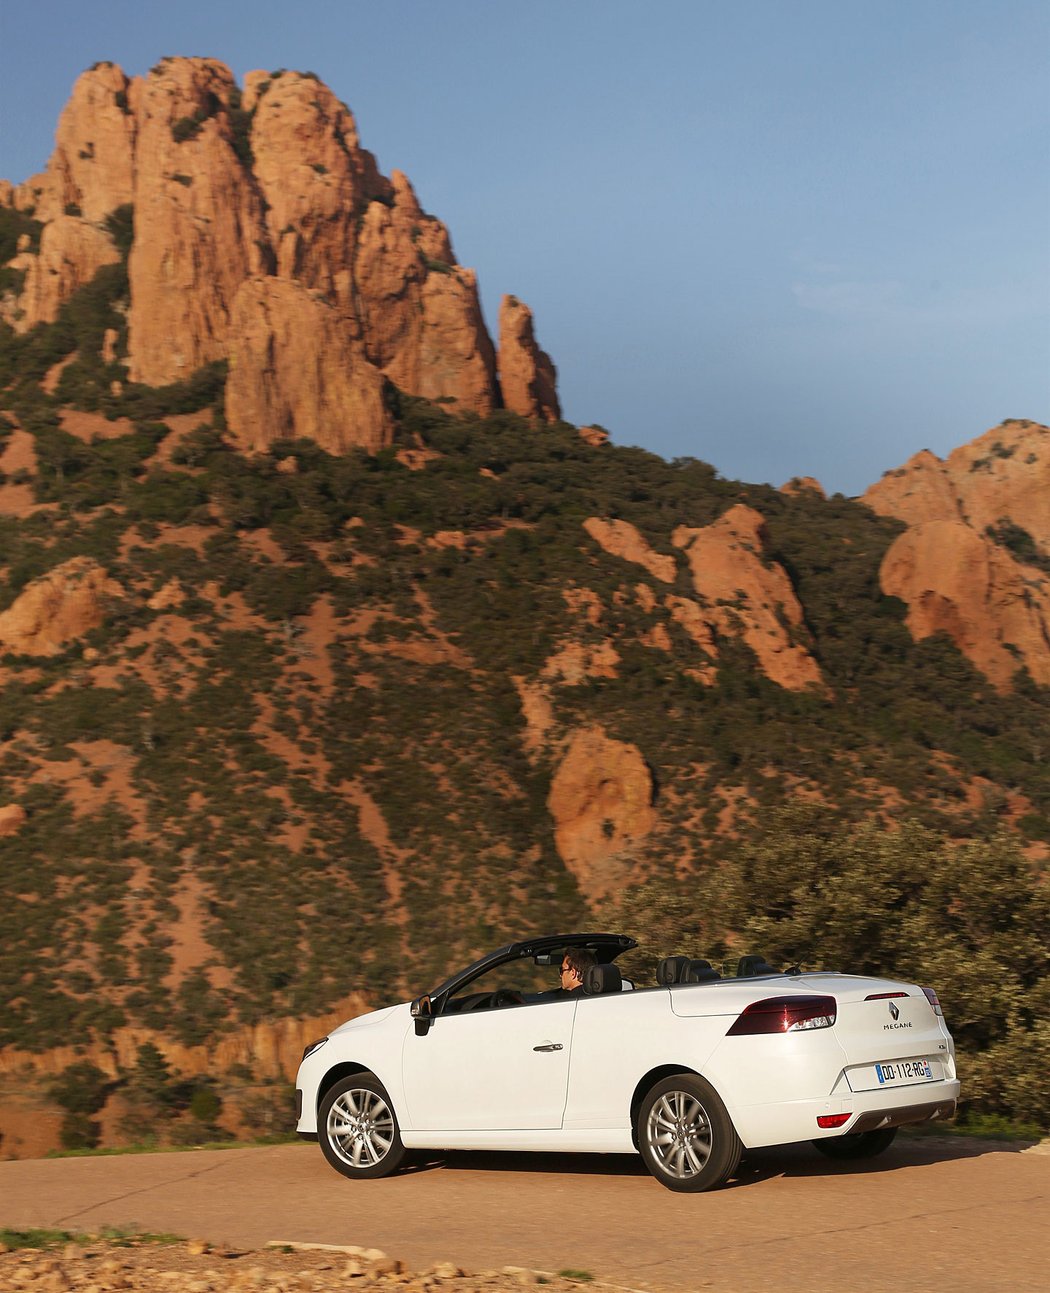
(889,1031)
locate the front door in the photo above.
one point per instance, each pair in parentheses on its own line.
(490,1070)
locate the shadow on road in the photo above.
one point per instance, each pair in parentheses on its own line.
(778,1161)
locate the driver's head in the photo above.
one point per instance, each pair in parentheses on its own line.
(575,963)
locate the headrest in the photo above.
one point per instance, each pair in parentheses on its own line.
(671,969)
(700,972)
(601,978)
(750,967)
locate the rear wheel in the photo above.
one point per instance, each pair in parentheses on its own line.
(862,1144)
(685,1135)
(357,1128)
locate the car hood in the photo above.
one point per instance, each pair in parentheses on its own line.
(366,1021)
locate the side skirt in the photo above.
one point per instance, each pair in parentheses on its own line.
(604,1140)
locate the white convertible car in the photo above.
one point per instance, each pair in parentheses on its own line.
(688,1073)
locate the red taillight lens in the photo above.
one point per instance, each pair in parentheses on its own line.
(883,996)
(833,1119)
(931,997)
(785,1015)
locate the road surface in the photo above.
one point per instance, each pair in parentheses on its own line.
(931,1214)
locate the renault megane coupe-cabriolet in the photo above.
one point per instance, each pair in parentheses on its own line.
(688,1072)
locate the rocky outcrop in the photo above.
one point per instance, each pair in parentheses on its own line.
(802,485)
(71,253)
(204,217)
(972,563)
(88,177)
(621,539)
(315,178)
(526,373)
(601,799)
(12,819)
(418,311)
(58,608)
(229,186)
(1003,475)
(294,372)
(745,595)
(959,582)
(93,162)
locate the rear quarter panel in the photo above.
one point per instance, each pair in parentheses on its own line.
(617,1040)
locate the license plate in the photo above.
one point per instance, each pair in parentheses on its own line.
(891,1073)
(894,1072)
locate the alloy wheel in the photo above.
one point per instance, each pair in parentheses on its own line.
(679,1134)
(360,1127)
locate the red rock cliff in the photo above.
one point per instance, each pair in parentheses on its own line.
(972,563)
(229,187)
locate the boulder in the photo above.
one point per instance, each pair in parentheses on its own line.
(59,607)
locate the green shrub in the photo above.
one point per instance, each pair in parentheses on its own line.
(81,1088)
(78,1131)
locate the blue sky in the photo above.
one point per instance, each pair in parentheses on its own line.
(788,238)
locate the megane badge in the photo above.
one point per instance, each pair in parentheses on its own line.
(894,1011)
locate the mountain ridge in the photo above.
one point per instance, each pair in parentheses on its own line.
(320,671)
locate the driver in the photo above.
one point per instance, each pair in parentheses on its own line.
(575,963)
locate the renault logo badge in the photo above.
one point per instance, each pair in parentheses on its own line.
(894,1011)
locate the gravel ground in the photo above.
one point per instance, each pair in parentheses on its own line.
(196,1267)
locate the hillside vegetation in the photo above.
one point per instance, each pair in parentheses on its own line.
(295,758)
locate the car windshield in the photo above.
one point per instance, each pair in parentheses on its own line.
(516,982)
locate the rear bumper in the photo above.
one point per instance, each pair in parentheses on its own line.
(789,1122)
(940,1111)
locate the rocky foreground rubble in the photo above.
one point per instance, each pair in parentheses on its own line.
(197,1267)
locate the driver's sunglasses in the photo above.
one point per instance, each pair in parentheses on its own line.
(566,969)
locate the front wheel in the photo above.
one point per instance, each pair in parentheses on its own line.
(357,1128)
(862,1144)
(686,1137)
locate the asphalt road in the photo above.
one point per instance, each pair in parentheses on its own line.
(930,1214)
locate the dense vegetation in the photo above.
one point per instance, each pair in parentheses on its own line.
(971,921)
(333,653)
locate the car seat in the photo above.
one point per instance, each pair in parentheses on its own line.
(600,979)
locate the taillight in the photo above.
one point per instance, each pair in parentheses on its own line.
(883,996)
(785,1015)
(833,1119)
(931,997)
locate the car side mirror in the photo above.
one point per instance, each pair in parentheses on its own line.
(422,1010)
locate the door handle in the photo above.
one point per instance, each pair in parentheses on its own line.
(549,1046)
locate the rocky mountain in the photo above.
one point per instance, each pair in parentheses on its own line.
(330,655)
(264,221)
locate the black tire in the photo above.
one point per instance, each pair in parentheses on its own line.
(862,1144)
(357,1128)
(686,1138)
